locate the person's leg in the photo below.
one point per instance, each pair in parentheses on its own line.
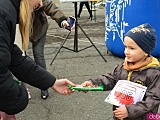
(38,54)
(80,9)
(4,116)
(88,8)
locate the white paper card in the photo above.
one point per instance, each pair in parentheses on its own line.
(126,92)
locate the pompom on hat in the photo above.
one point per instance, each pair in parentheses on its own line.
(145,37)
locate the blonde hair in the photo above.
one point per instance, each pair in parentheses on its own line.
(25,23)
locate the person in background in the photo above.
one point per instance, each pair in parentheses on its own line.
(14,97)
(138,67)
(39,30)
(88,8)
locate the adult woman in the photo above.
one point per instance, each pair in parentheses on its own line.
(14,97)
(40,27)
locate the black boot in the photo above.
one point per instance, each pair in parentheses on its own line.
(44,94)
(90,17)
(78,16)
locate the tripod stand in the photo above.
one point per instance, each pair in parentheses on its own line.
(75,49)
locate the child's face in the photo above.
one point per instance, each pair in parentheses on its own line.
(132,51)
(34,4)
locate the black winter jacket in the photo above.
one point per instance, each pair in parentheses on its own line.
(13,97)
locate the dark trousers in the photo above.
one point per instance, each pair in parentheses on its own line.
(87,6)
(38,52)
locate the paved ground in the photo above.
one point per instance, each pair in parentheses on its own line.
(77,67)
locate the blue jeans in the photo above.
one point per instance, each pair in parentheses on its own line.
(38,52)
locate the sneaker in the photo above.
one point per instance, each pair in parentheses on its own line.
(44,94)
(29,95)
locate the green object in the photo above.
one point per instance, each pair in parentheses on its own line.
(18,82)
(81,88)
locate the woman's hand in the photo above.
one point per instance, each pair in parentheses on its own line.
(61,86)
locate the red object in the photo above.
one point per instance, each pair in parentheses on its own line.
(123,98)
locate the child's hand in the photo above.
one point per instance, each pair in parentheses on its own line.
(121,112)
(87,84)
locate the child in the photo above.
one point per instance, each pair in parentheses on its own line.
(139,67)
